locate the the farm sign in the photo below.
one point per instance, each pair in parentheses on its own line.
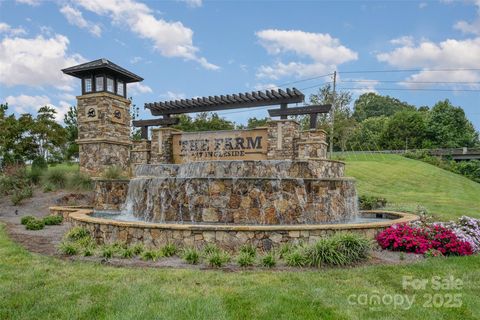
(220,145)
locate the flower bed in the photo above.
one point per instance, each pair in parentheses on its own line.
(407,238)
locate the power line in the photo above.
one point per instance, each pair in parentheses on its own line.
(408,81)
(305,79)
(412,70)
(415,89)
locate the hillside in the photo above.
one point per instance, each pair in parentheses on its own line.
(407,183)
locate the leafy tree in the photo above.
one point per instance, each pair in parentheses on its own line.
(71,127)
(135,133)
(368,134)
(374,105)
(204,121)
(254,122)
(448,127)
(405,130)
(48,134)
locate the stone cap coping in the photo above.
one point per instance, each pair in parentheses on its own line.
(83,215)
(101,94)
(312,142)
(283,120)
(100,179)
(103,140)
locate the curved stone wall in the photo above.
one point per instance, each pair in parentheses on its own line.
(229,237)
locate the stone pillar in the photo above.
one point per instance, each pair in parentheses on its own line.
(140,153)
(161,149)
(312,145)
(103,132)
(282,137)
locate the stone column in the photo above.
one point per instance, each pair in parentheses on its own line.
(103,132)
(282,137)
(140,153)
(312,144)
(161,148)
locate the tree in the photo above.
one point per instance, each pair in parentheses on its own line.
(204,121)
(368,134)
(48,134)
(344,123)
(71,127)
(254,122)
(374,105)
(405,130)
(448,127)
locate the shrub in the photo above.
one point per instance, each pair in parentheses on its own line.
(210,248)
(371,202)
(249,249)
(295,258)
(56,177)
(108,251)
(151,255)
(48,187)
(80,181)
(39,164)
(138,248)
(26,219)
(35,224)
(286,249)
(77,233)
(432,253)
(88,251)
(218,258)
(19,195)
(245,259)
(403,237)
(354,247)
(168,250)
(34,176)
(52,220)
(113,172)
(191,255)
(269,260)
(325,251)
(68,248)
(126,253)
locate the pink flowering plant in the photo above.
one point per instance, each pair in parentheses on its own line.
(406,238)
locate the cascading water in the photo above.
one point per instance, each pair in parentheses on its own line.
(248,192)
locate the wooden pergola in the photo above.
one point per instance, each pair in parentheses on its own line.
(231,101)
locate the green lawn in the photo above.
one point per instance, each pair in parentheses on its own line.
(38,287)
(407,183)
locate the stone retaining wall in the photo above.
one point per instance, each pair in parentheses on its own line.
(110,194)
(228,237)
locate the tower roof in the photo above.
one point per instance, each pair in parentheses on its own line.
(103,64)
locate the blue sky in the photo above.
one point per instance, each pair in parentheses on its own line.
(195,48)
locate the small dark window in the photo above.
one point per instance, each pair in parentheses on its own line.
(120,88)
(88,84)
(99,83)
(110,85)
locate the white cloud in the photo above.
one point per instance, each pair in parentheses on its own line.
(169,95)
(325,51)
(30,104)
(443,55)
(362,86)
(171,39)
(265,86)
(473,27)
(422,5)
(136,60)
(5,28)
(29,2)
(76,18)
(403,41)
(137,87)
(193,3)
(36,62)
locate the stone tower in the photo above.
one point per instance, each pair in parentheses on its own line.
(103,115)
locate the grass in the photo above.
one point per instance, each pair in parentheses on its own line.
(39,287)
(407,183)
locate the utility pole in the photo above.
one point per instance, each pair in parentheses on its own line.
(333,112)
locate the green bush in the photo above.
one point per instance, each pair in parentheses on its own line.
(371,202)
(138,248)
(68,248)
(108,251)
(209,249)
(153,255)
(168,250)
(245,259)
(249,249)
(35,224)
(20,195)
(218,259)
(48,187)
(113,172)
(88,251)
(286,249)
(35,176)
(126,253)
(39,164)
(80,181)
(77,233)
(27,219)
(56,177)
(269,260)
(296,258)
(353,246)
(191,255)
(52,220)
